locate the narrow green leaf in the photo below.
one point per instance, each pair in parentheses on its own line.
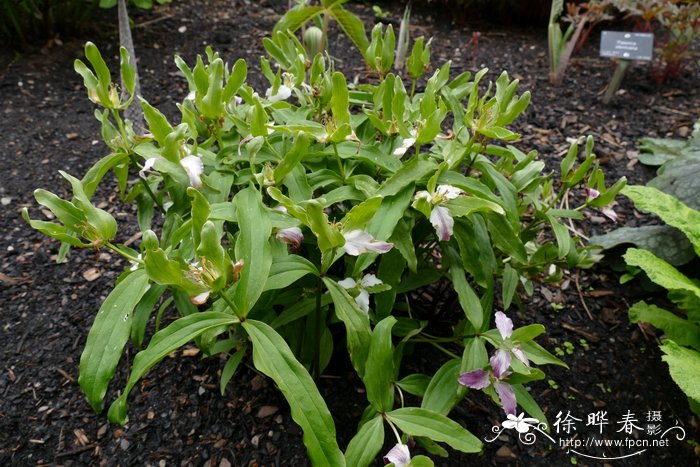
(422,422)
(230,369)
(444,390)
(379,369)
(365,445)
(356,324)
(273,357)
(163,343)
(287,270)
(108,335)
(253,247)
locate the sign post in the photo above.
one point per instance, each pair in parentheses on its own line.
(625,46)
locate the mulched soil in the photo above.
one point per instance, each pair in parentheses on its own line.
(177,415)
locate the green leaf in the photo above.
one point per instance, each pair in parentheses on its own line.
(292,157)
(157,123)
(142,312)
(413,170)
(163,343)
(539,355)
(510,283)
(444,390)
(468,299)
(528,403)
(366,444)
(273,357)
(353,27)
(361,213)
(294,18)
(666,242)
(660,272)
(379,369)
(230,369)
(328,237)
(356,324)
(421,422)
(108,335)
(677,329)
(253,247)
(669,209)
(415,384)
(684,365)
(287,270)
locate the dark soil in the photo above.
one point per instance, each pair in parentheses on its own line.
(177,415)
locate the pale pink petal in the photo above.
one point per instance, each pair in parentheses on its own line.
(500,361)
(359,241)
(520,355)
(362,300)
(504,325)
(194,167)
(348,283)
(290,236)
(442,221)
(399,455)
(370,280)
(476,379)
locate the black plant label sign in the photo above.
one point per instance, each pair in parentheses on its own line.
(627,45)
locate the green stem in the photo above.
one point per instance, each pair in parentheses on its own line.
(231,305)
(340,162)
(116,249)
(444,350)
(130,153)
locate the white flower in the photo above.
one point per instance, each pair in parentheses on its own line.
(283,93)
(399,455)
(440,216)
(362,299)
(359,241)
(405,144)
(194,167)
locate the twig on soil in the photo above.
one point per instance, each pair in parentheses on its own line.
(580,296)
(590,337)
(87,447)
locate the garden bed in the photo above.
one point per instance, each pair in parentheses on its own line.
(177,415)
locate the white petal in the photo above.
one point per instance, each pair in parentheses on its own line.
(200,299)
(362,300)
(148,165)
(370,280)
(348,283)
(504,325)
(399,455)
(448,191)
(399,152)
(283,93)
(359,241)
(424,195)
(442,221)
(194,167)
(291,236)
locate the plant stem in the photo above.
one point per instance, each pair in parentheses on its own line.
(116,249)
(231,305)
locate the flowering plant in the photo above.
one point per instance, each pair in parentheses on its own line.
(280,224)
